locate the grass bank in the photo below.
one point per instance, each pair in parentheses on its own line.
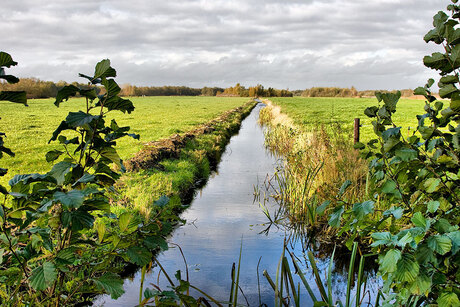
(28,129)
(175,166)
(317,164)
(311,112)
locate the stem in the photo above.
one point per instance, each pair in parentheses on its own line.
(10,245)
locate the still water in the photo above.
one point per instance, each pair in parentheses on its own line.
(222,217)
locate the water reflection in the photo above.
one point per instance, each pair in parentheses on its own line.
(223,216)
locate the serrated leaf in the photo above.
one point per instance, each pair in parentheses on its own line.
(335,217)
(371,111)
(9,78)
(103,70)
(406,154)
(381,238)
(407,269)
(53,155)
(419,220)
(433,206)
(111,154)
(65,93)
(62,126)
(71,200)
(321,208)
(162,201)
(79,119)
(6,60)
(396,212)
(440,244)
(344,187)
(406,239)
(59,171)
(389,262)
(120,104)
(124,220)
(363,209)
(78,220)
(448,299)
(43,276)
(111,283)
(14,96)
(431,185)
(447,90)
(155,242)
(139,255)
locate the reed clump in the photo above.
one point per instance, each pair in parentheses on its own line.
(317,162)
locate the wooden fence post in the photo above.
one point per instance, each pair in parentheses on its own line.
(356,135)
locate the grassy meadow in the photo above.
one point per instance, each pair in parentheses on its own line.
(28,129)
(310,112)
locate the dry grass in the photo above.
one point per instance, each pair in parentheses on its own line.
(317,162)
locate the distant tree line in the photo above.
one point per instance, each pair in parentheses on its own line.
(45,89)
(346,92)
(255,91)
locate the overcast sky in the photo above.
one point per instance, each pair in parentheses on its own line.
(369,44)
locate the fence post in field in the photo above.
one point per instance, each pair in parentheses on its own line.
(356,134)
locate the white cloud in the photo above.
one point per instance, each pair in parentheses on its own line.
(293,44)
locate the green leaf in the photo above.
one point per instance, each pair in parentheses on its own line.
(436,61)
(62,126)
(448,299)
(406,154)
(72,199)
(363,209)
(162,201)
(407,269)
(419,220)
(406,239)
(334,218)
(440,244)
(154,242)
(78,220)
(381,238)
(396,212)
(455,238)
(389,261)
(447,90)
(120,104)
(111,87)
(124,220)
(344,187)
(139,255)
(14,96)
(78,119)
(53,155)
(320,209)
(9,78)
(433,206)
(65,93)
(67,256)
(59,171)
(111,154)
(103,70)
(111,283)
(6,60)
(371,111)
(431,185)
(85,178)
(43,276)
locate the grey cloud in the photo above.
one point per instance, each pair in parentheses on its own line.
(295,44)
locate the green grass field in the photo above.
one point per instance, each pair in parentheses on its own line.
(28,129)
(310,112)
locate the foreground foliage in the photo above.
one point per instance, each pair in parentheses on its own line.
(59,240)
(418,180)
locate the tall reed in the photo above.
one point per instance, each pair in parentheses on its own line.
(317,162)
